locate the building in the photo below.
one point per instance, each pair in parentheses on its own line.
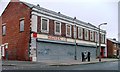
(0,35)
(119,21)
(112,48)
(31,32)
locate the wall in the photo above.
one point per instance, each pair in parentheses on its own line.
(109,48)
(18,42)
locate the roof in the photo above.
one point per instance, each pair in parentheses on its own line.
(55,13)
(114,41)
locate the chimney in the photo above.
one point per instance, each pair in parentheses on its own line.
(114,39)
(58,12)
(38,5)
(14,1)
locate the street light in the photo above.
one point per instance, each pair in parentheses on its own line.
(75,56)
(100,41)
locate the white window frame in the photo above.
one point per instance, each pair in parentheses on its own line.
(67,30)
(86,38)
(102,38)
(92,35)
(75,31)
(45,31)
(96,36)
(57,33)
(80,37)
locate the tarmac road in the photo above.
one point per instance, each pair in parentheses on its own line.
(96,66)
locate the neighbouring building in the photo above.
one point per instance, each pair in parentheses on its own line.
(119,21)
(0,35)
(112,48)
(30,32)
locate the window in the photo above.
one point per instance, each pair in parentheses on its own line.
(91,35)
(102,38)
(96,37)
(86,34)
(57,28)
(4,30)
(68,30)
(21,25)
(75,31)
(80,33)
(44,25)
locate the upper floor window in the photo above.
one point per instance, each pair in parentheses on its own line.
(44,25)
(57,28)
(96,36)
(75,31)
(102,38)
(91,35)
(68,30)
(86,34)
(80,33)
(21,25)
(4,30)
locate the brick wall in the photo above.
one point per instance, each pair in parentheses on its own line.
(63,30)
(110,47)
(18,42)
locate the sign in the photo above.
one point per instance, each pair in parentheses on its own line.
(57,38)
(54,38)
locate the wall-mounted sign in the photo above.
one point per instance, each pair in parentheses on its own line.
(54,38)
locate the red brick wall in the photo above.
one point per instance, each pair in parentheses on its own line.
(39,24)
(63,30)
(51,27)
(109,48)
(18,42)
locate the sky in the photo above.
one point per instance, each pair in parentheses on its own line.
(90,11)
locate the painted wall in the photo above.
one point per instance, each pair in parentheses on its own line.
(51,51)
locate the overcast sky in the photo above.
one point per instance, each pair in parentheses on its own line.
(92,11)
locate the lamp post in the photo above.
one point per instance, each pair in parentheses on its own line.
(100,41)
(75,56)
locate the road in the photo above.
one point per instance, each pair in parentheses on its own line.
(96,66)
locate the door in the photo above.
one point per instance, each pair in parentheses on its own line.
(102,52)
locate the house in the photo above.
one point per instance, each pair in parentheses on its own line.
(0,35)
(112,48)
(31,32)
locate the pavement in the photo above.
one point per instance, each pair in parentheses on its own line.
(55,62)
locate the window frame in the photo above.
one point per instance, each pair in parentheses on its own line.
(45,31)
(86,38)
(67,30)
(92,35)
(21,19)
(96,36)
(80,37)
(57,33)
(5,29)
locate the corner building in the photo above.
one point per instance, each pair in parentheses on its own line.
(30,32)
